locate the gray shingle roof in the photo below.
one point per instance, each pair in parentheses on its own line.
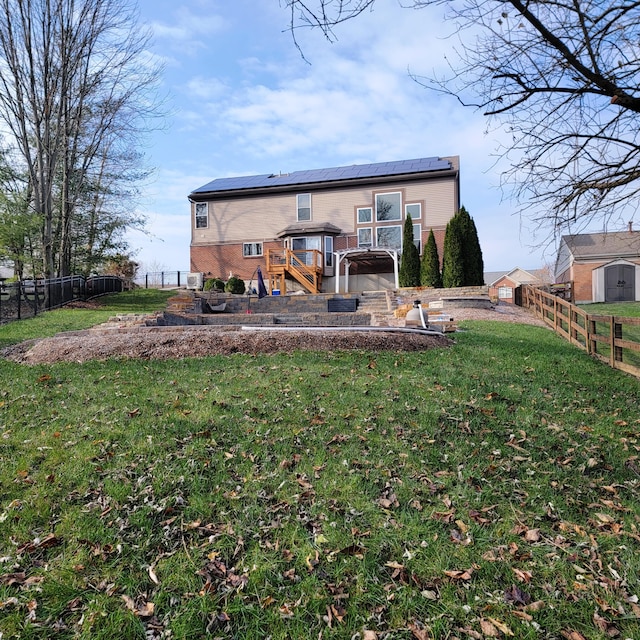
(615,244)
(311,176)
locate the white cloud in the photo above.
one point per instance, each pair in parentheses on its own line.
(250,104)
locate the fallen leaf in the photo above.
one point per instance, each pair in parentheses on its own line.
(459,575)
(153,576)
(418,632)
(501,626)
(515,595)
(572,635)
(523,576)
(532,535)
(129,602)
(488,629)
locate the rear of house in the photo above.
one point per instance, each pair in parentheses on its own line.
(328,229)
(604,267)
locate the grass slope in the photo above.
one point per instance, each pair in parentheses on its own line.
(486,490)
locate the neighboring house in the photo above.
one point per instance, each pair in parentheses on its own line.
(503,285)
(325,229)
(604,267)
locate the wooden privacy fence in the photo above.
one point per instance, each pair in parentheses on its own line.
(612,339)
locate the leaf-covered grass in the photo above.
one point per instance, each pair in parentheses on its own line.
(50,323)
(490,489)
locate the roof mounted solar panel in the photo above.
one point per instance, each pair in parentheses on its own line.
(334,174)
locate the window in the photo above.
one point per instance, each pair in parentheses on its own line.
(304,248)
(389,237)
(365,237)
(251,249)
(304,207)
(328,251)
(413,210)
(505,292)
(417,237)
(364,215)
(202,215)
(388,206)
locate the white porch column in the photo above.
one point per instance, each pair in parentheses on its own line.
(395,269)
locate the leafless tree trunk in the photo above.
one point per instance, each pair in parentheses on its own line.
(74,81)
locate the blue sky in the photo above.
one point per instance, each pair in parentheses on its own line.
(241,100)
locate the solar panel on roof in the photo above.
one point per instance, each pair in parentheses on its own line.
(326,175)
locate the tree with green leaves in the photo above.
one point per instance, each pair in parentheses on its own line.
(409,275)
(77,92)
(430,275)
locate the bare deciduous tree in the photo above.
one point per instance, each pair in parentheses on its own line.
(561,76)
(74,94)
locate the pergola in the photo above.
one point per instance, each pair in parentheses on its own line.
(355,255)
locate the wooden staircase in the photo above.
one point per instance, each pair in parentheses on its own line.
(303,265)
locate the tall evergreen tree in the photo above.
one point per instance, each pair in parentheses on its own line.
(409,275)
(453,254)
(462,263)
(430,275)
(473,262)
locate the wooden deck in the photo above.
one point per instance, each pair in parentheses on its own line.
(304,266)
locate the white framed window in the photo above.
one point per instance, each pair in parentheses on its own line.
(505,292)
(304,207)
(251,249)
(328,251)
(365,214)
(417,237)
(414,210)
(365,237)
(202,215)
(388,206)
(389,237)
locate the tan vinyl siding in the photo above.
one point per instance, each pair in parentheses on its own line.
(262,218)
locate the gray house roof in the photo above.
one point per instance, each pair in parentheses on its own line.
(616,244)
(325,177)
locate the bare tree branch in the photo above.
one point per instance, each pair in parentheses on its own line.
(562,77)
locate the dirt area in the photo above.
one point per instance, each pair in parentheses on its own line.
(151,343)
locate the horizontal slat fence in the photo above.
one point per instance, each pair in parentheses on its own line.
(612,339)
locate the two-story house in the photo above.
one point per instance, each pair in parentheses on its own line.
(322,229)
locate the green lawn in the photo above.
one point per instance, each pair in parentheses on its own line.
(621,309)
(51,322)
(629,332)
(490,489)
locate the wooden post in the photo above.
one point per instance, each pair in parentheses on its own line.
(617,333)
(612,337)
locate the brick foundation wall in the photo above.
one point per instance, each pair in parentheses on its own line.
(218,261)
